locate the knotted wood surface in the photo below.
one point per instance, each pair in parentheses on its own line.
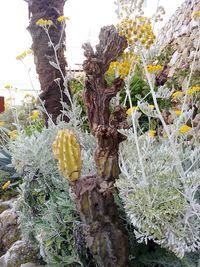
(104,230)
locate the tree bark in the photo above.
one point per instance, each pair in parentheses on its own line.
(51,79)
(104,230)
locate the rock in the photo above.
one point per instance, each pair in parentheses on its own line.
(175,35)
(171,71)
(4,205)
(196,66)
(181,32)
(192,54)
(9,231)
(196,43)
(196,121)
(184,29)
(19,253)
(185,54)
(194,24)
(174,59)
(193,35)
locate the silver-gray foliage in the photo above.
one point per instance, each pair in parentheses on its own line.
(161,204)
(47,214)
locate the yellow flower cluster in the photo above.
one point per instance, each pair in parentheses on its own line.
(193,90)
(27,95)
(154,68)
(137,31)
(34,115)
(8,86)
(131,110)
(177,94)
(6,185)
(123,65)
(2,123)
(62,18)
(44,22)
(195,15)
(24,54)
(152,133)
(178,112)
(151,106)
(185,129)
(13,134)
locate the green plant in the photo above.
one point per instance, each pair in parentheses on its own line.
(47,215)
(14,116)
(34,126)
(76,87)
(159,163)
(9,180)
(164,56)
(139,89)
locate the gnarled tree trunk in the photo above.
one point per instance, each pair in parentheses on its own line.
(51,79)
(104,230)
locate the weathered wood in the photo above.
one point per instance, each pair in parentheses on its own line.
(43,52)
(105,233)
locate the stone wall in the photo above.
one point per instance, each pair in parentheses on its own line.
(182,33)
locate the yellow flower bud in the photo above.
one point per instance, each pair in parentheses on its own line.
(6,185)
(185,129)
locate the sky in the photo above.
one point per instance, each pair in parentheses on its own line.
(86,19)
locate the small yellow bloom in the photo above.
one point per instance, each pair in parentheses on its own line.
(2,123)
(177,94)
(34,115)
(24,54)
(28,95)
(154,68)
(13,134)
(131,110)
(29,51)
(18,57)
(178,112)
(62,18)
(151,106)
(49,22)
(44,22)
(8,86)
(21,56)
(185,129)
(196,88)
(142,19)
(193,90)
(195,15)
(40,22)
(6,185)
(164,135)
(152,133)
